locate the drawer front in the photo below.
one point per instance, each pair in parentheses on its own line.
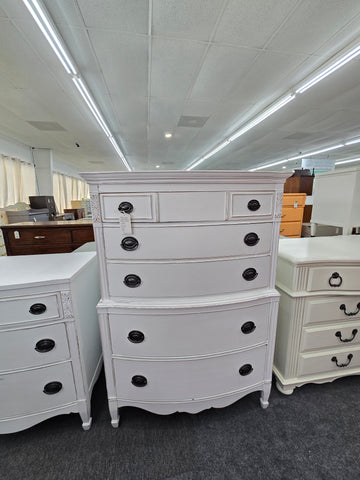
(141,206)
(82,235)
(39,236)
(188,334)
(187,278)
(315,338)
(332,362)
(14,310)
(334,278)
(32,347)
(330,309)
(188,379)
(292,229)
(192,206)
(294,200)
(251,205)
(292,214)
(21,393)
(167,242)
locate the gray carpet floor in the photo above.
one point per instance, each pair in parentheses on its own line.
(312,434)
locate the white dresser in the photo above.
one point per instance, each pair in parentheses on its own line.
(50,350)
(318,335)
(187,261)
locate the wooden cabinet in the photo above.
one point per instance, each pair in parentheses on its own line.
(188,311)
(29,238)
(292,214)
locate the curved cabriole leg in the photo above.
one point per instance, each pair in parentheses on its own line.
(85,417)
(264,399)
(114,413)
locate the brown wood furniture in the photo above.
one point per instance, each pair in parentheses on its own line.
(29,238)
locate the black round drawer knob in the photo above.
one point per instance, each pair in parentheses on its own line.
(248,327)
(52,387)
(37,309)
(44,345)
(246,369)
(253,205)
(129,243)
(126,207)
(132,281)
(136,337)
(249,274)
(139,381)
(251,239)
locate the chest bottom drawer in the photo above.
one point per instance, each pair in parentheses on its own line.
(193,379)
(31,391)
(336,361)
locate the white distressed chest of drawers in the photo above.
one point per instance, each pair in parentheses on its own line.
(319,315)
(188,311)
(50,351)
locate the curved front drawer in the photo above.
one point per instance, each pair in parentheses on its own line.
(187,279)
(188,379)
(336,361)
(31,347)
(21,393)
(192,333)
(14,310)
(170,242)
(334,278)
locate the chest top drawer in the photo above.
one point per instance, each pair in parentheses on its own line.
(35,307)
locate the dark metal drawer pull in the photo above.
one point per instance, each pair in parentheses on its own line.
(52,387)
(246,369)
(135,336)
(248,327)
(45,345)
(132,281)
(139,381)
(253,205)
(126,207)
(338,280)
(251,239)
(249,274)
(354,332)
(129,243)
(37,309)
(350,314)
(340,365)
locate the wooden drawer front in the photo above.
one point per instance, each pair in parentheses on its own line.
(33,347)
(292,214)
(330,309)
(21,393)
(188,379)
(40,249)
(167,242)
(245,205)
(340,335)
(292,229)
(201,333)
(334,279)
(294,200)
(82,235)
(39,236)
(192,206)
(14,310)
(188,278)
(143,206)
(315,363)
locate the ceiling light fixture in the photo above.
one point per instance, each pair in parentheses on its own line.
(348,161)
(351,142)
(157,166)
(168,135)
(46,25)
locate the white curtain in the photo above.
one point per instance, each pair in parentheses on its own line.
(17,181)
(68,188)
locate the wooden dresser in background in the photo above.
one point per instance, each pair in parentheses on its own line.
(29,238)
(292,214)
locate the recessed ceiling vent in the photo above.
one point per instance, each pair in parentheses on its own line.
(192,121)
(47,126)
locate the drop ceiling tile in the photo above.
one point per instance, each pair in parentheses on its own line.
(65,13)
(120,15)
(191,19)
(251,23)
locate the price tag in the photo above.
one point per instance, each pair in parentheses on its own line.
(125,223)
(295,204)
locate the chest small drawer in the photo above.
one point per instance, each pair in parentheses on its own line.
(20,392)
(202,241)
(334,278)
(140,206)
(340,335)
(22,309)
(290,229)
(187,279)
(330,309)
(192,206)
(244,205)
(336,361)
(31,347)
(187,380)
(189,333)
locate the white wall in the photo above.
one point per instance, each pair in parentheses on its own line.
(13,148)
